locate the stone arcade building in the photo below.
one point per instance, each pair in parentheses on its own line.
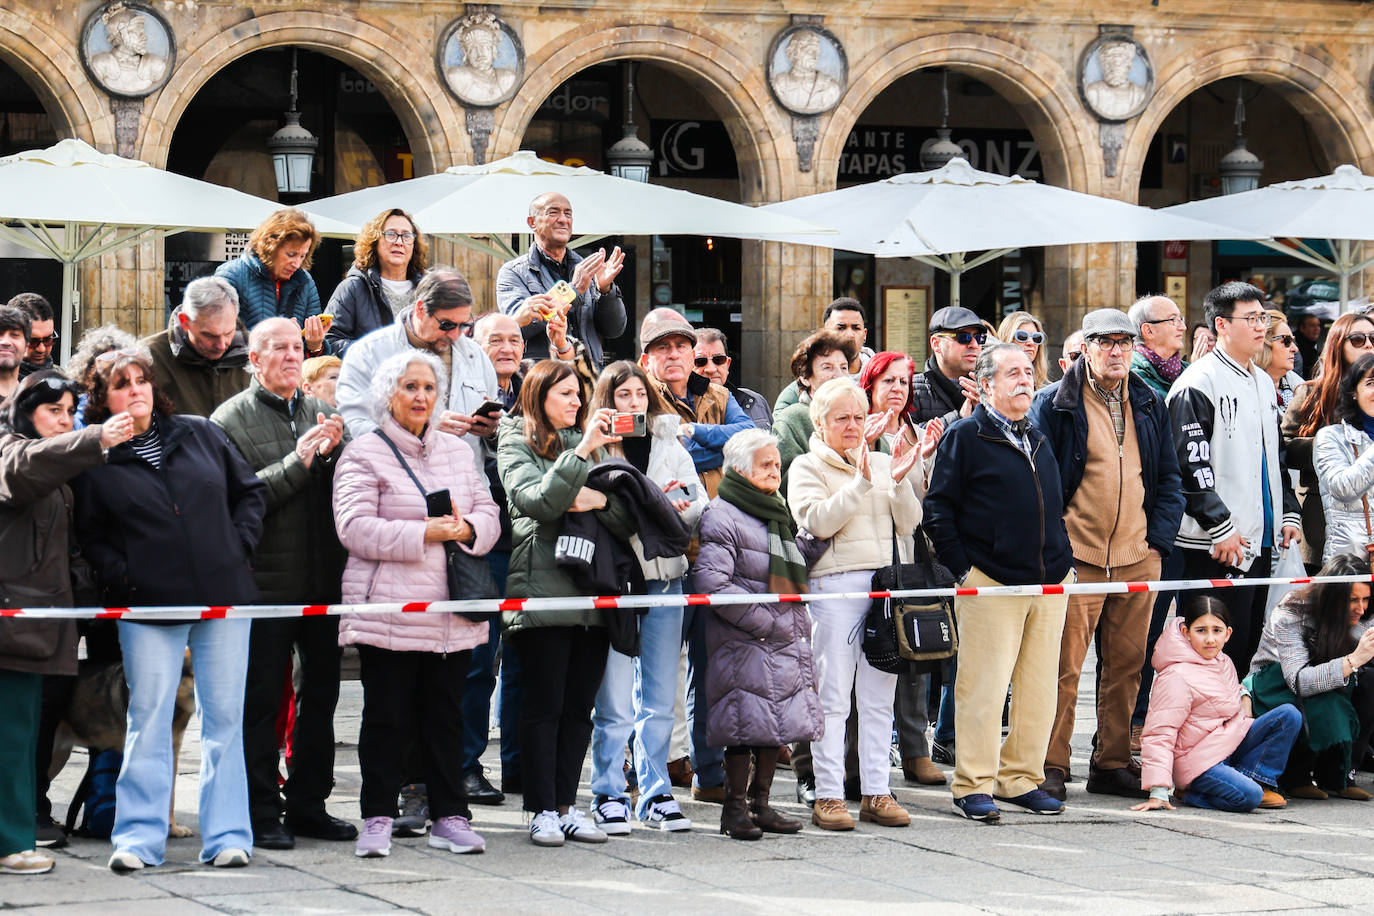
(802,97)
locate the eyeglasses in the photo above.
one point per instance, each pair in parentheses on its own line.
(111,355)
(1176,320)
(719,359)
(964,338)
(1257,320)
(1359,340)
(1113,343)
(44,341)
(450,326)
(391,235)
(1034,337)
(1286,340)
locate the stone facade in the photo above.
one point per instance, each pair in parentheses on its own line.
(1317,54)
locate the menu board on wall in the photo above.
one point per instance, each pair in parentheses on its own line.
(905,313)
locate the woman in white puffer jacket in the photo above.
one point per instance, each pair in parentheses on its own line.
(1343,457)
(637,694)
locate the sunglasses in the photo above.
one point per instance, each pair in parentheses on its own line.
(110,356)
(1286,340)
(1034,337)
(719,359)
(449,326)
(964,338)
(1073,357)
(44,341)
(1360,340)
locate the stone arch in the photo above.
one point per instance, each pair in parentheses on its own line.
(384,53)
(47,62)
(1321,89)
(1036,85)
(724,73)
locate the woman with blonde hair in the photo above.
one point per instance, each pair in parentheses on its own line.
(389,258)
(272,276)
(1027,332)
(1276,356)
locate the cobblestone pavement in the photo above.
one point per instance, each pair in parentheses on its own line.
(1098,857)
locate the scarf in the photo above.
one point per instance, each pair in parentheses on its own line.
(786,568)
(1168,369)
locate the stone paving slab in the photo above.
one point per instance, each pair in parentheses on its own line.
(1099,857)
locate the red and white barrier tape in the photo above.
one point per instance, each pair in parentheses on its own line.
(582,603)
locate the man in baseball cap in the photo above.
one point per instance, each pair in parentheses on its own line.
(1123,502)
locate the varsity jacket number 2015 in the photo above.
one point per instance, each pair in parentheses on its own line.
(1220,411)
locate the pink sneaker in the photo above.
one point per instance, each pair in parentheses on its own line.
(375,840)
(455,834)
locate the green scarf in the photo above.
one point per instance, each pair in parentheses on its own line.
(786,568)
(1330,722)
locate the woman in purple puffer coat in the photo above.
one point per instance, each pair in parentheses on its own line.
(413,665)
(760,679)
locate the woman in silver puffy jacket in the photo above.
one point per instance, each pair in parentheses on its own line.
(1343,456)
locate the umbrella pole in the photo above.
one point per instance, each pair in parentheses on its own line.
(71,299)
(1343,260)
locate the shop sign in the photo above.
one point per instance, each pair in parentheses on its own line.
(692,149)
(874,152)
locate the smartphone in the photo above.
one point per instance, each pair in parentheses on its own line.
(438,503)
(628,424)
(327,319)
(563,292)
(489,409)
(681,491)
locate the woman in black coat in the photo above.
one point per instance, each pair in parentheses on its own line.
(389,258)
(171,519)
(39,453)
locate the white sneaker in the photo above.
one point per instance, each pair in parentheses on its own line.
(124,861)
(578,828)
(666,814)
(545,829)
(612,815)
(231,858)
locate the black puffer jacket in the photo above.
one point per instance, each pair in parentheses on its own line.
(179,535)
(299,559)
(359,307)
(933,394)
(35,545)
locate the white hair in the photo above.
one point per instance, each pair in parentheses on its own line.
(742,449)
(207,296)
(824,398)
(1142,310)
(388,377)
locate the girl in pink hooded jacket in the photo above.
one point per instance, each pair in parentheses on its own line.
(1199,736)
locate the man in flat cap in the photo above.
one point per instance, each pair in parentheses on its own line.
(1123,503)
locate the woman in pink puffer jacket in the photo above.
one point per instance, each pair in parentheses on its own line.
(1199,736)
(413,664)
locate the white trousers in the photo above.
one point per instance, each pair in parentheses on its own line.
(836,640)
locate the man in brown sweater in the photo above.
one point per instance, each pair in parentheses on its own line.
(1122,507)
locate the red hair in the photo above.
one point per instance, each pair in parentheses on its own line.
(879,364)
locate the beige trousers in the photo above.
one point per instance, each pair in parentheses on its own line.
(1005,641)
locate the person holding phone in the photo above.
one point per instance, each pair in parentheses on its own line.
(413,665)
(545,456)
(637,694)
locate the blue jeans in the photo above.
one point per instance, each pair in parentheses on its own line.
(637,696)
(143,795)
(944,723)
(1235,783)
(708,763)
(477,691)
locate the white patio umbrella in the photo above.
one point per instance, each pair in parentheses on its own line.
(72,202)
(468,203)
(1338,207)
(938,217)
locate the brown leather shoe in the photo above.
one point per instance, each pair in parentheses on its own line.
(1309,792)
(713,794)
(884,811)
(680,772)
(1352,792)
(922,771)
(1136,731)
(1054,783)
(831,814)
(1272,799)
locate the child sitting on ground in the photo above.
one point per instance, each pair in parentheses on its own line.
(1199,737)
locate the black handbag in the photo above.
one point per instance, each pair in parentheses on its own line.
(469,577)
(910,634)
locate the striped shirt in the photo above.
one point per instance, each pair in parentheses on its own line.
(148,446)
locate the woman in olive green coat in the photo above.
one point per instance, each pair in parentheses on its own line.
(544,457)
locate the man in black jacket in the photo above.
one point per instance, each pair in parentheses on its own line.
(945,389)
(995,514)
(1123,504)
(292,441)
